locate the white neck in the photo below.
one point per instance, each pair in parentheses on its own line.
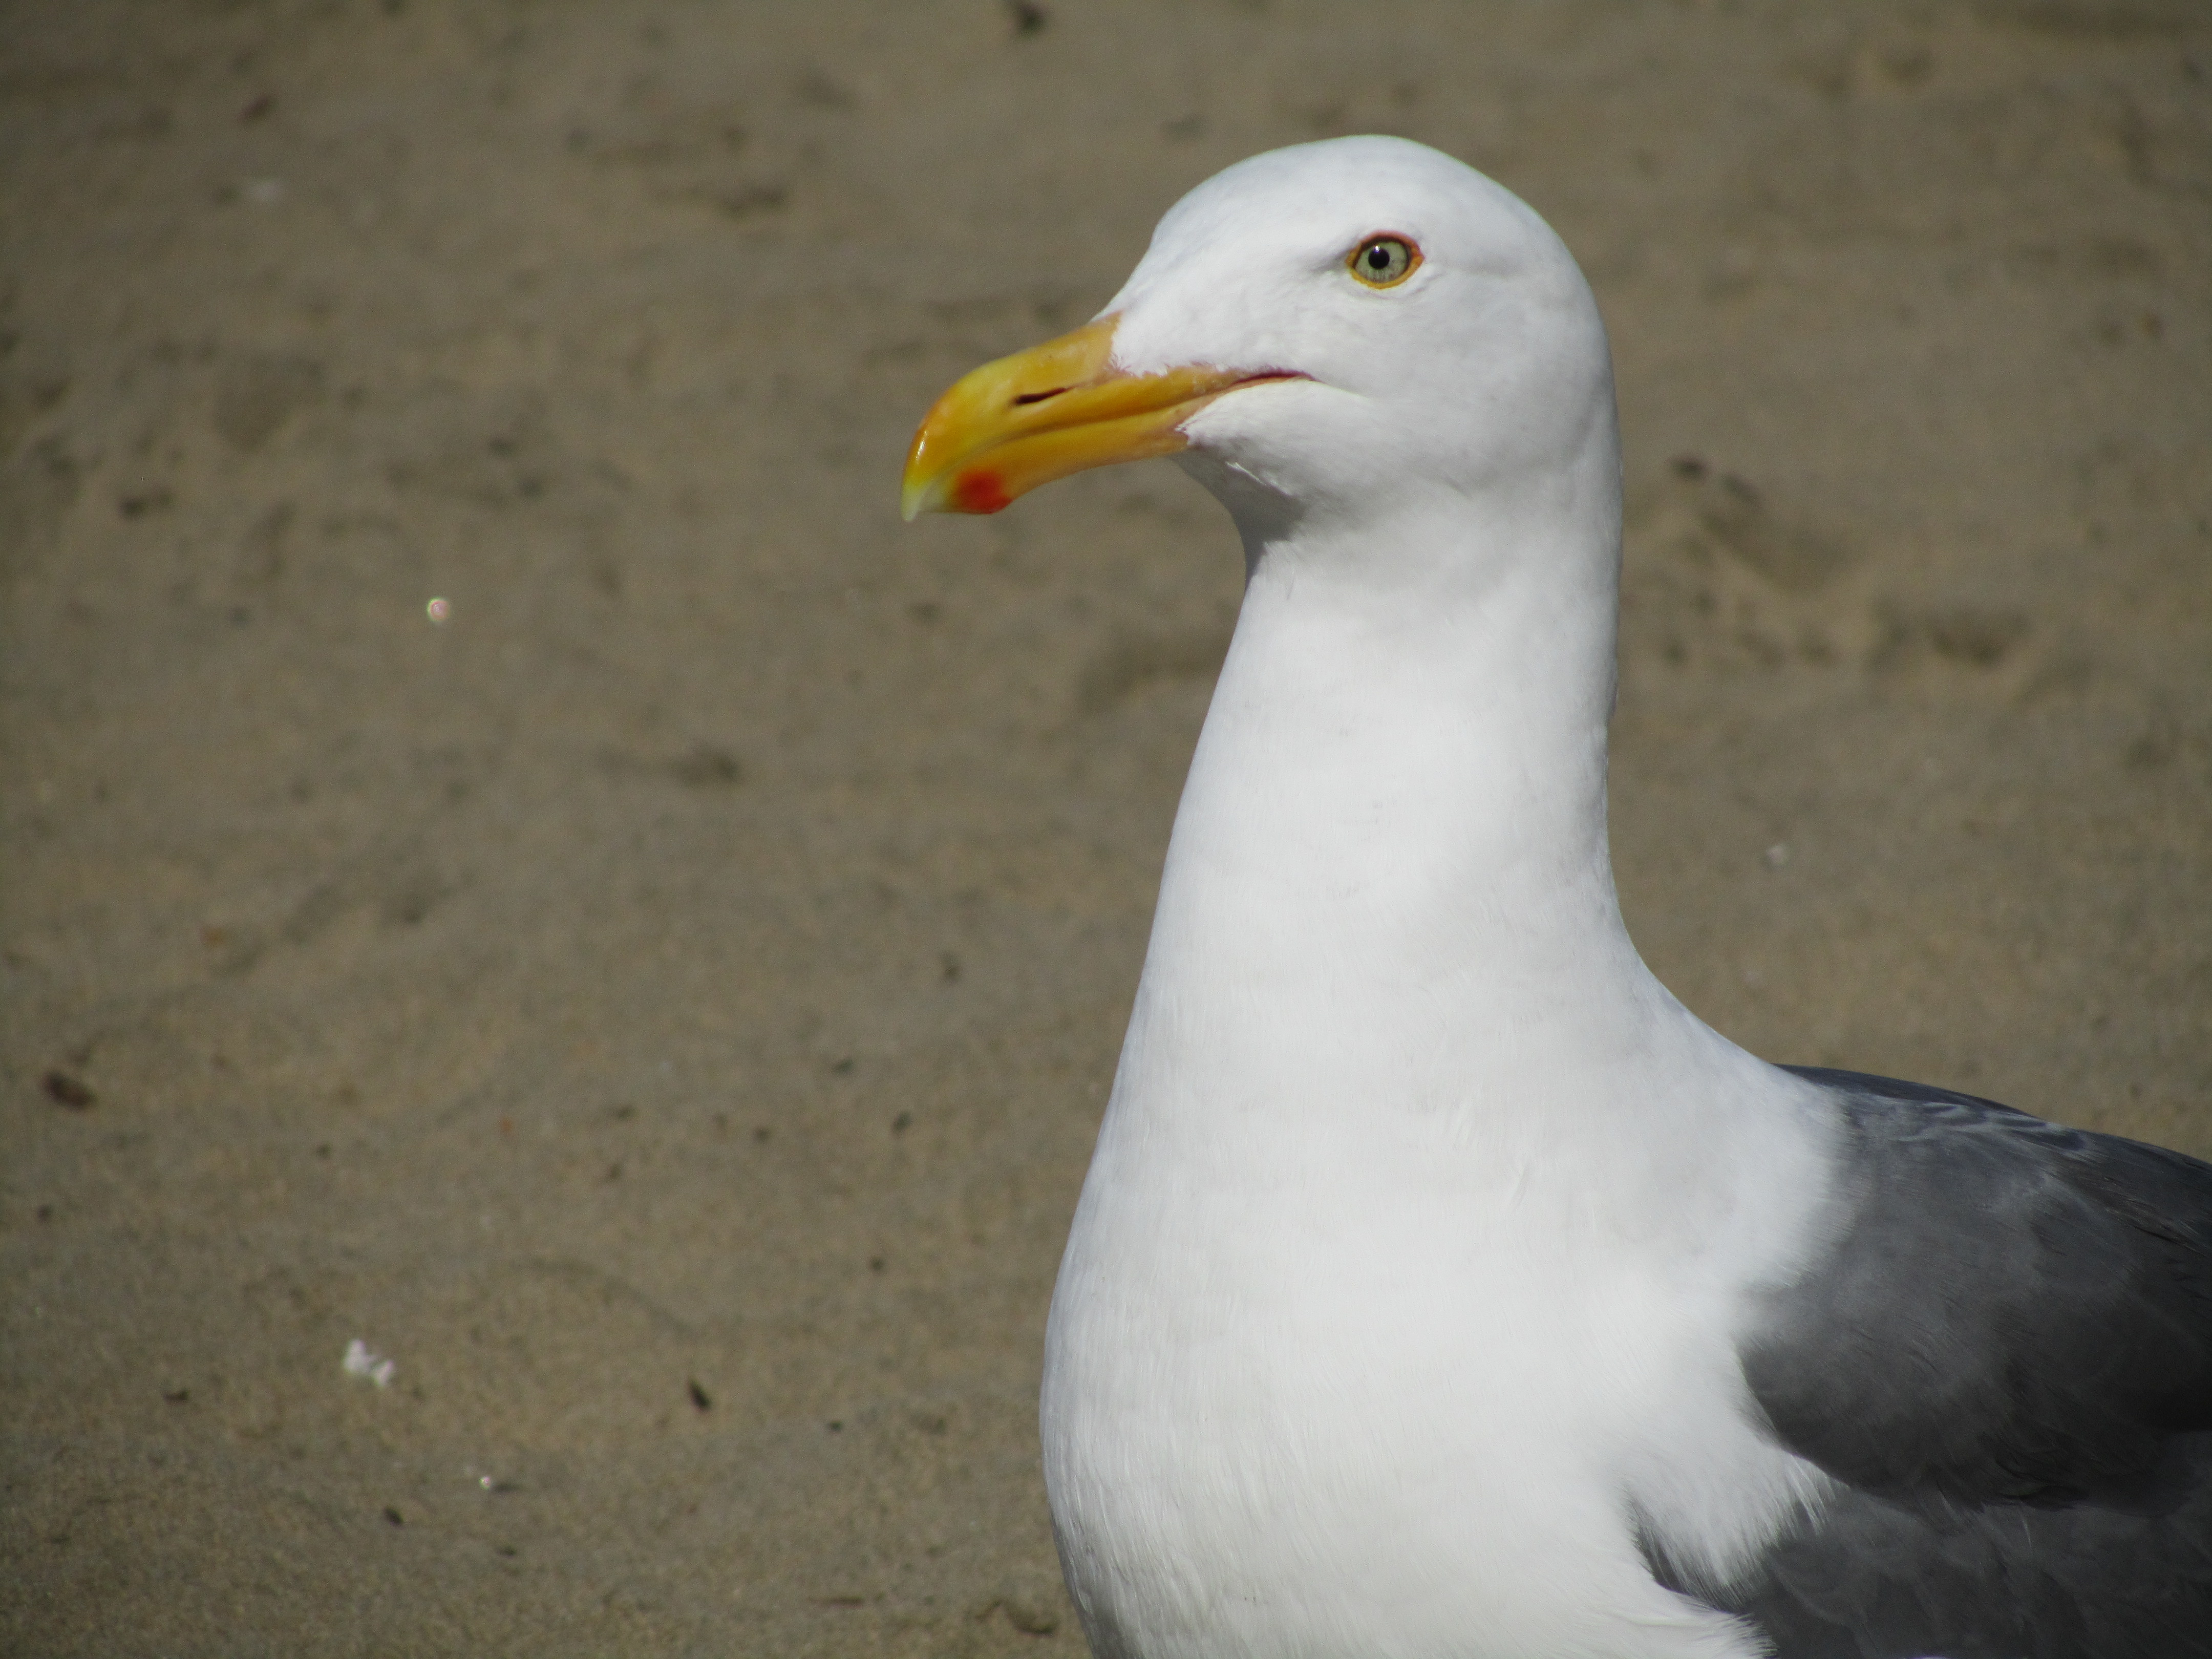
(1393,839)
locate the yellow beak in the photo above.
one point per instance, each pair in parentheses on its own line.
(1057,408)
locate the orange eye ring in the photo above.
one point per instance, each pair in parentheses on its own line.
(1384,260)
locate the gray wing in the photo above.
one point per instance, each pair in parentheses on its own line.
(2004,1356)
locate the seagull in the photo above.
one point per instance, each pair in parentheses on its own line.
(1441,1285)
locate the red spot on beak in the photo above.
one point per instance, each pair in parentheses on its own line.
(979,491)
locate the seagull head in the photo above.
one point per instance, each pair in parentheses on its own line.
(1338,330)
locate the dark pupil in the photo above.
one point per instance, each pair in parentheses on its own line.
(1378,258)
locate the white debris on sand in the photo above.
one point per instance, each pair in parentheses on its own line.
(360,1362)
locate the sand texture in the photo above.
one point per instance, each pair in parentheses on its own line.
(664,1008)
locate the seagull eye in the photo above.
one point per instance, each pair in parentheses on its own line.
(1384,261)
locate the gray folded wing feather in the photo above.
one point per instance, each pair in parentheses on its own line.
(2001,1352)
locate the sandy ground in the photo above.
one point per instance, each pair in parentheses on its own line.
(665,1008)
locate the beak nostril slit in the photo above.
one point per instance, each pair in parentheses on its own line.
(1037,397)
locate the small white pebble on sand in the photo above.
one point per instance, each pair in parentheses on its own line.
(360,1362)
